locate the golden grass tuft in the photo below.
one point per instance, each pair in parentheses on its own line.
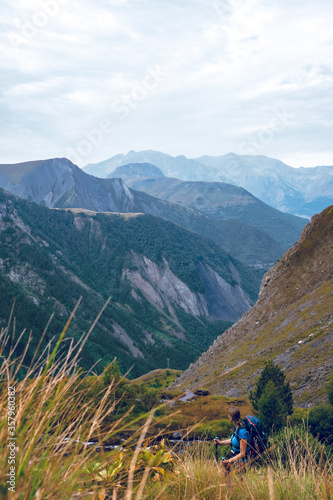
(54,423)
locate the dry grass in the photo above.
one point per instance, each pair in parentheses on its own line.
(54,421)
(197,476)
(53,424)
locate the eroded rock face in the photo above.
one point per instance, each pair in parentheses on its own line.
(165,290)
(123,336)
(224,301)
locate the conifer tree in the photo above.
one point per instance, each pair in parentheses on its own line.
(271,410)
(272,398)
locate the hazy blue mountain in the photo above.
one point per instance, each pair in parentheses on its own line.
(179,166)
(172,292)
(61,184)
(136,170)
(299,191)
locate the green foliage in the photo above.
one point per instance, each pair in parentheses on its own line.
(270,408)
(299,416)
(157,460)
(124,394)
(321,423)
(272,397)
(111,373)
(321,417)
(221,428)
(272,372)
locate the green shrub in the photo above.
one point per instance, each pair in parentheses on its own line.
(270,408)
(321,423)
(299,416)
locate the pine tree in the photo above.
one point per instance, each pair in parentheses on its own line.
(271,410)
(272,385)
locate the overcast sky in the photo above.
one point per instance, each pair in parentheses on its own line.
(89,79)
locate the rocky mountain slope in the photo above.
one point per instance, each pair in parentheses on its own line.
(217,200)
(59,183)
(172,292)
(299,191)
(291,323)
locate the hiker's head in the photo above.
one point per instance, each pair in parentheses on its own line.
(234,415)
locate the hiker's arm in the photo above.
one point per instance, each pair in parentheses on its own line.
(225,441)
(243,446)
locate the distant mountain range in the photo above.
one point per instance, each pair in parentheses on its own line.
(291,323)
(259,238)
(216,199)
(299,191)
(172,292)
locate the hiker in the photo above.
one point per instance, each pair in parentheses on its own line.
(239,440)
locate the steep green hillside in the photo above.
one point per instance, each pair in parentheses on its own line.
(172,292)
(292,324)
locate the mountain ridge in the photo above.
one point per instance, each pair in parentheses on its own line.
(299,191)
(58,183)
(220,201)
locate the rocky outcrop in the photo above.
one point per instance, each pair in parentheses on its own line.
(224,300)
(163,288)
(122,335)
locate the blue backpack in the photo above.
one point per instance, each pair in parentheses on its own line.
(258,438)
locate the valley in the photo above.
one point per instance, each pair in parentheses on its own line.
(171,292)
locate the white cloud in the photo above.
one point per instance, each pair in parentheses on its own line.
(230,66)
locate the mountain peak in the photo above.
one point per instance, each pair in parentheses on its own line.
(137,170)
